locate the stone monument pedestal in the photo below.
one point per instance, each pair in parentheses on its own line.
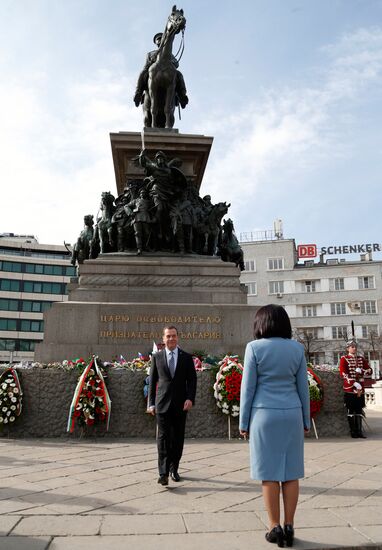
(192,149)
(121,303)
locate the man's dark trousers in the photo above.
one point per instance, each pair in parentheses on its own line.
(170,440)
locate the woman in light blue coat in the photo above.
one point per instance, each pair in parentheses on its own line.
(274,412)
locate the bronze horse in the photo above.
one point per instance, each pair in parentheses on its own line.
(103,240)
(159,102)
(81,249)
(211,227)
(229,247)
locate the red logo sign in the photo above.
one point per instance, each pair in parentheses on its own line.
(307,250)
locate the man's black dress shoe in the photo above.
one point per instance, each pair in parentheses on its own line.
(276,535)
(289,534)
(163,479)
(175,476)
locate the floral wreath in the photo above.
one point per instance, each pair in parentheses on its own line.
(316,392)
(227,385)
(11,396)
(91,402)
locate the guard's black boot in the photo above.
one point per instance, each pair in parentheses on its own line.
(352,426)
(358,423)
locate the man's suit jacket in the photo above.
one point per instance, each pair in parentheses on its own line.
(171,391)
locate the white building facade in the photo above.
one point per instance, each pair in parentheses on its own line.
(32,277)
(322,298)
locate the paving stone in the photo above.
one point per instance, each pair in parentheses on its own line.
(361,515)
(24,543)
(14,505)
(142,525)
(222,522)
(58,525)
(342,537)
(7,523)
(373,532)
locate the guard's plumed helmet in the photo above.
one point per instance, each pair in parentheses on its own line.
(351,342)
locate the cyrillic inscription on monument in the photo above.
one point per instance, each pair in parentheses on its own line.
(128,327)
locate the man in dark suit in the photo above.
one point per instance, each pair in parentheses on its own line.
(174,372)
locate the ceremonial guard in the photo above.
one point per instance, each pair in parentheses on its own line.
(353,368)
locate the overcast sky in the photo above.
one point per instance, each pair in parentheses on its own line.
(289,89)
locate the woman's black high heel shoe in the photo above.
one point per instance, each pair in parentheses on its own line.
(289,534)
(276,535)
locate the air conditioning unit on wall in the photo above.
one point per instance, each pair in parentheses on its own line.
(279,295)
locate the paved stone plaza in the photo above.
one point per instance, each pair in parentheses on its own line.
(86,494)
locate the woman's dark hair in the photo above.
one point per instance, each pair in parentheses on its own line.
(272,321)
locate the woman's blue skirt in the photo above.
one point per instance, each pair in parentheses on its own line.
(276,444)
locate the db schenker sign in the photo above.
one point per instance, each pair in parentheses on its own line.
(310,250)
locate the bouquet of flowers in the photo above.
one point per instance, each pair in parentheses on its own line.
(142,362)
(316,392)
(10,396)
(205,361)
(91,402)
(197,363)
(227,385)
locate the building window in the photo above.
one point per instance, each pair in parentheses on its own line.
(11,266)
(32,286)
(36,307)
(7,345)
(369,330)
(337,356)
(250,265)
(309,311)
(365,282)
(34,268)
(317,357)
(70,271)
(310,286)
(310,333)
(27,325)
(276,287)
(26,345)
(44,288)
(17,345)
(9,305)
(30,253)
(337,284)
(339,332)
(10,285)
(38,269)
(8,324)
(252,291)
(275,264)
(368,306)
(338,308)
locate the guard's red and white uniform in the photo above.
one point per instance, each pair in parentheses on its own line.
(353,368)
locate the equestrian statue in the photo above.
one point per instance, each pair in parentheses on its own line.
(161,86)
(160,210)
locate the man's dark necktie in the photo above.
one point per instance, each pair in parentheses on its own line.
(171,364)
